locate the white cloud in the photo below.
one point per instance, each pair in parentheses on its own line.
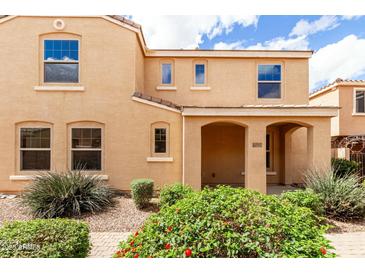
(344,59)
(234,45)
(282,43)
(304,27)
(185,31)
(350,17)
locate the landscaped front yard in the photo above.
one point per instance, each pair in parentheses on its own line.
(123,217)
(220,222)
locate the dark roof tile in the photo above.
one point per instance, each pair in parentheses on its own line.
(156,100)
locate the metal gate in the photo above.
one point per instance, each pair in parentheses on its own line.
(359,157)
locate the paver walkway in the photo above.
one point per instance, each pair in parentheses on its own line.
(105,243)
(350,244)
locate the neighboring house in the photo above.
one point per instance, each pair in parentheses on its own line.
(87,90)
(348,128)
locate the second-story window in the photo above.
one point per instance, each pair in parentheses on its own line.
(166,71)
(61,61)
(360,101)
(269,81)
(199,74)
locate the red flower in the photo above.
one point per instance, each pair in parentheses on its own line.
(119,253)
(136,256)
(167,246)
(131,243)
(169,229)
(188,252)
(323,250)
(136,234)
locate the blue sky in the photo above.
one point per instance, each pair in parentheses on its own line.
(338,41)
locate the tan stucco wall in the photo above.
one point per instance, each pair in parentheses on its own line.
(346,123)
(223,155)
(299,157)
(108,84)
(350,124)
(330,98)
(233,82)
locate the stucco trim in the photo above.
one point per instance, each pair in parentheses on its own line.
(143,101)
(229,53)
(166,88)
(263,111)
(31,177)
(268,173)
(7,18)
(159,159)
(197,88)
(59,88)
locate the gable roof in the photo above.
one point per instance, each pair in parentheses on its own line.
(334,84)
(127,23)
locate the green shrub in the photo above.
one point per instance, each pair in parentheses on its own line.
(343,167)
(50,238)
(142,191)
(229,222)
(70,193)
(305,198)
(169,195)
(342,197)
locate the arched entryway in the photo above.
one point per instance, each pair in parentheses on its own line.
(222,154)
(288,146)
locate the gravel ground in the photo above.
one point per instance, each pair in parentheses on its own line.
(342,227)
(123,217)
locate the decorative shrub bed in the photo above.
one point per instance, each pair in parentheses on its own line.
(169,195)
(305,198)
(142,191)
(343,167)
(52,238)
(228,222)
(67,194)
(343,197)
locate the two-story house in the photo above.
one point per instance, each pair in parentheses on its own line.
(348,128)
(87,91)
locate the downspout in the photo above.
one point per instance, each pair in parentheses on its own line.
(183,149)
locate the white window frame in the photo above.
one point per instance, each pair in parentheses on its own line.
(88,149)
(205,74)
(171,63)
(61,61)
(265,81)
(34,149)
(354,108)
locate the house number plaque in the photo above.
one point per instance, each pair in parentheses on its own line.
(256,144)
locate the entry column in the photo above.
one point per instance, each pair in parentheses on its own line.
(255,157)
(319,145)
(192,153)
